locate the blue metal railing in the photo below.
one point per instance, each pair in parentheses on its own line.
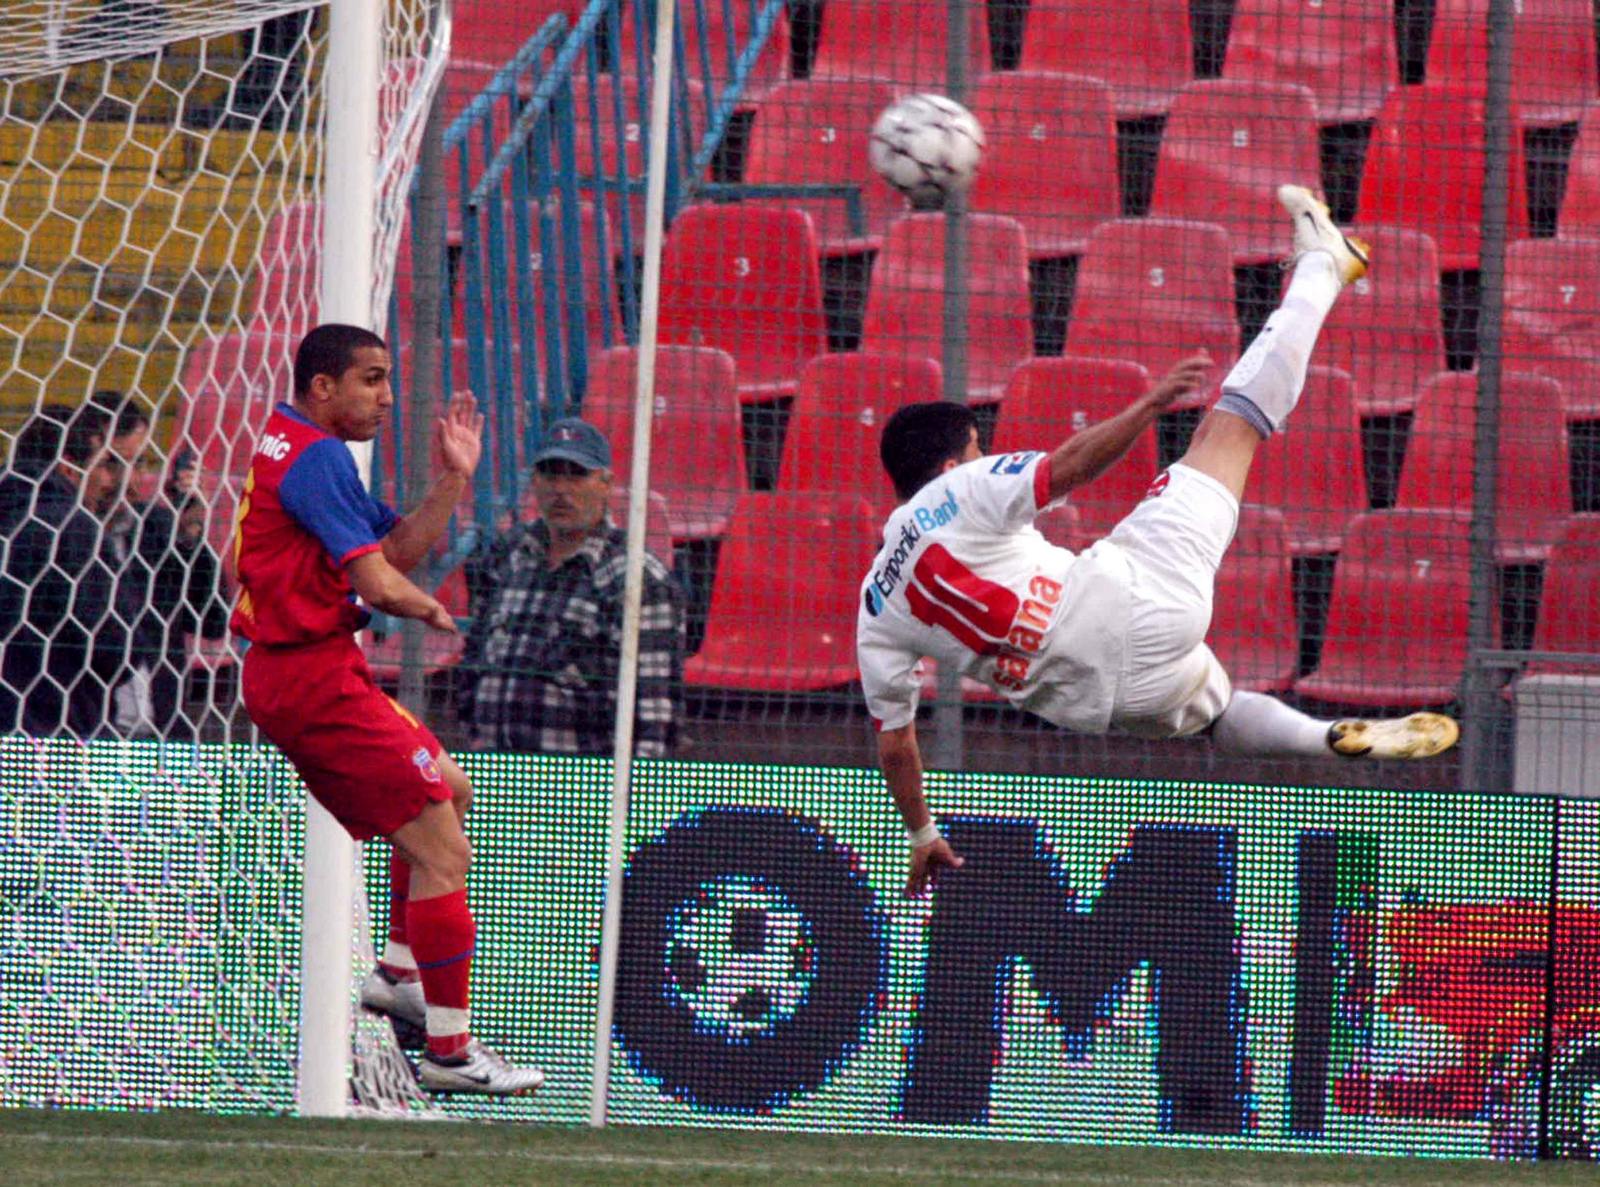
(526,168)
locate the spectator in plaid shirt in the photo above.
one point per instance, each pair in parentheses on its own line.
(539,672)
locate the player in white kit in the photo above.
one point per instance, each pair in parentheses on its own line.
(1113,636)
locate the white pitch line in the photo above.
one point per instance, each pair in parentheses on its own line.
(819,1170)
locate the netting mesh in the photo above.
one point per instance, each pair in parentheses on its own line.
(159,232)
(160,222)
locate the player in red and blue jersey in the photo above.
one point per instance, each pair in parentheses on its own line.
(311,540)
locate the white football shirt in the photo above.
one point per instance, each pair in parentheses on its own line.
(964,577)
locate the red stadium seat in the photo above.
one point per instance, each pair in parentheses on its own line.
(1342,49)
(1143,50)
(1386,329)
(696,444)
(1531,489)
(1051,156)
(905,305)
(831,443)
(1580,203)
(1049,400)
(622,141)
(1552,317)
(1154,291)
(1253,628)
(904,41)
(709,62)
(1313,472)
(745,279)
(1397,623)
(1552,56)
(813,132)
(485,35)
(783,604)
(1424,170)
(1226,148)
(1569,603)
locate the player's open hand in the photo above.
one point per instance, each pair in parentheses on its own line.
(1187,375)
(459,433)
(440,619)
(927,861)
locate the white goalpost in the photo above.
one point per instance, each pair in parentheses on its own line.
(185,188)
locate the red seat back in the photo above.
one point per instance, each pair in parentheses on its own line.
(286,297)
(1424,170)
(1227,146)
(1552,317)
(1253,628)
(1569,604)
(1580,202)
(831,443)
(745,279)
(1313,471)
(1051,156)
(1143,50)
(1397,621)
(904,41)
(1050,400)
(1552,54)
(1532,488)
(784,600)
(905,306)
(696,443)
(1386,329)
(812,132)
(1154,291)
(1342,49)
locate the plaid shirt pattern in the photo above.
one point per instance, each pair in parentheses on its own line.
(539,672)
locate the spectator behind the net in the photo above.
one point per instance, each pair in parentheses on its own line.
(539,672)
(56,592)
(187,595)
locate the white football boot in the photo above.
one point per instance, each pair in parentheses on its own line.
(479,1069)
(397,999)
(1314,230)
(1421,735)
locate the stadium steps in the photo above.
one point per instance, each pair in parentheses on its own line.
(53,360)
(165,151)
(146,89)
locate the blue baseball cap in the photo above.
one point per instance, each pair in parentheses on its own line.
(574,440)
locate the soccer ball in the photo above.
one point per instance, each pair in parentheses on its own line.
(927,147)
(741,958)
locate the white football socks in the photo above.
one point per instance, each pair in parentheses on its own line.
(1260,726)
(1265,383)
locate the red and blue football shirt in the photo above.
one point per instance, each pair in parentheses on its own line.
(304,516)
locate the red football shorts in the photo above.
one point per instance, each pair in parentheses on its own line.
(368,761)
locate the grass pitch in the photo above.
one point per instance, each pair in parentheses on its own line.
(174,1149)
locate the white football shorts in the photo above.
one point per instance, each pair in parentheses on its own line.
(1174,541)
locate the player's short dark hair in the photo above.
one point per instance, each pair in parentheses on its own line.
(59,431)
(330,350)
(920,438)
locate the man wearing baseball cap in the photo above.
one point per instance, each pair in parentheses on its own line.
(539,672)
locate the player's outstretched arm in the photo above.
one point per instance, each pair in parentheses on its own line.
(458,441)
(1086,455)
(901,760)
(383,587)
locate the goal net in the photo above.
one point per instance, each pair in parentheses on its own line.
(161,171)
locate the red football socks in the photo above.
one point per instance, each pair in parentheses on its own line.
(398,961)
(442,934)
